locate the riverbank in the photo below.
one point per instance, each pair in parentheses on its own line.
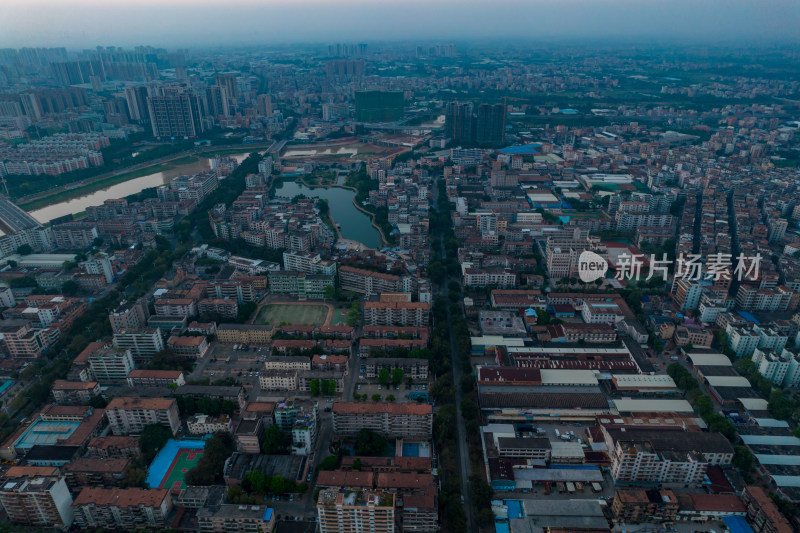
(108,179)
(100,184)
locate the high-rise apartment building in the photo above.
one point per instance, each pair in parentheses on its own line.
(346,69)
(490,123)
(464,125)
(136,98)
(217,103)
(264,106)
(36,500)
(174,112)
(459,123)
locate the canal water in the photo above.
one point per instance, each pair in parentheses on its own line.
(121,190)
(353,224)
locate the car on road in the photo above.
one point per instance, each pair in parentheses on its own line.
(212,372)
(359,387)
(379,387)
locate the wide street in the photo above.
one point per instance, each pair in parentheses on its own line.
(462,448)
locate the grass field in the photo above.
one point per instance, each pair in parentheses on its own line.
(275,314)
(174,479)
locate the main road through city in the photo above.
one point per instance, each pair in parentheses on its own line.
(462,448)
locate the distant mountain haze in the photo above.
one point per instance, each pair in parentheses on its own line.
(86,23)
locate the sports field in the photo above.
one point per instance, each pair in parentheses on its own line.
(339,317)
(169,467)
(295,314)
(184,461)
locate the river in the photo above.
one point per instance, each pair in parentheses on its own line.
(121,190)
(353,224)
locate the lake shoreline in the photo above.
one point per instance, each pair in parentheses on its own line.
(299,181)
(355,204)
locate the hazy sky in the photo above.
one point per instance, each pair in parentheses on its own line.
(87,23)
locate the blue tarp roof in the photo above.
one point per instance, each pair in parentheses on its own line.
(737,524)
(747,316)
(522,149)
(514,509)
(268,514)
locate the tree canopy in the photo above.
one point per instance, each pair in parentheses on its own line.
(369,443)
(209,467)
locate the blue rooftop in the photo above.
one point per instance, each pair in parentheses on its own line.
(522,149)
(268,514)
(515,509)
(747,316)
(737,524)
(46,433)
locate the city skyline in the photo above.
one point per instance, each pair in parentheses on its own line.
(273,266)
(87,23)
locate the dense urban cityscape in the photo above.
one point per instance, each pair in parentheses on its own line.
(413,286)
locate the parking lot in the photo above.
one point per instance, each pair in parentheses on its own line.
(243,366)
(577,430)
(401,393)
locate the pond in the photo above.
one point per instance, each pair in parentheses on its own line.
(353,224)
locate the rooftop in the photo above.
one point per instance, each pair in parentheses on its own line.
(133,497)
(377,408)
(140,403)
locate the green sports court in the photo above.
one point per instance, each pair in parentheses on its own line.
(168,469)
